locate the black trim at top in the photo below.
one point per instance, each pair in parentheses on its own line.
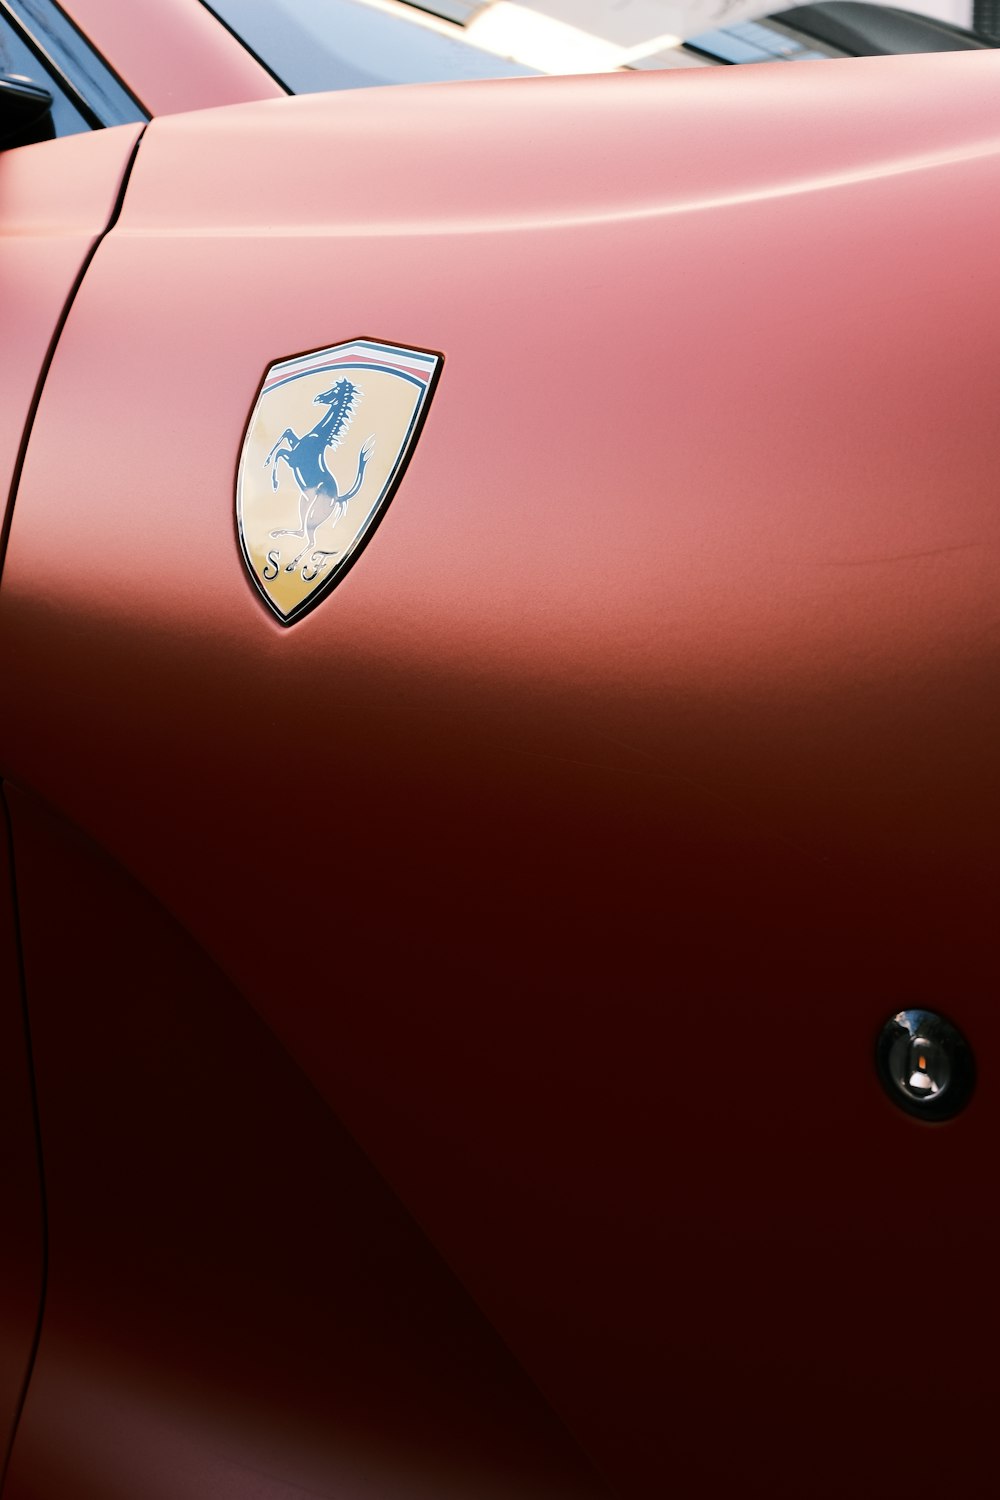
(83,75)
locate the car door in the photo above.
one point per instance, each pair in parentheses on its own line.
(567,858)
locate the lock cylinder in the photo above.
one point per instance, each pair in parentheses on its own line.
(925,1064)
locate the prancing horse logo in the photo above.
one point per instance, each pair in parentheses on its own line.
(306,457)
(293,566)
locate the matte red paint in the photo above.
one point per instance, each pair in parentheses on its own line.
(55,199)
(578,845)
(173,54)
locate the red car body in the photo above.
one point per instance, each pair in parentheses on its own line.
(452,1018)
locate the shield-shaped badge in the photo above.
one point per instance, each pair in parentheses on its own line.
(325,448)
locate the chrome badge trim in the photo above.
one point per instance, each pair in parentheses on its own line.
(312,484)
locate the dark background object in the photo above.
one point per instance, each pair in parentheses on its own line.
(986,18)
(25,112)
(881,30)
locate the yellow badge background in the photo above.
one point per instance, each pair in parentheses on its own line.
(385,411)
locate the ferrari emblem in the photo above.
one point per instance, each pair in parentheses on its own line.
(326,446)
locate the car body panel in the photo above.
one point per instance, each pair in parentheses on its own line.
(56,199)
(21,1244)
(577,845)
(173,54)
(237,1306)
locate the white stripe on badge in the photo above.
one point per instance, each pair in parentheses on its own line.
(370,353)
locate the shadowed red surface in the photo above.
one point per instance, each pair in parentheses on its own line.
(237,1306)
(578,845)
(21,1240)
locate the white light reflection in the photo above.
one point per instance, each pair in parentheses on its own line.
(540,41)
